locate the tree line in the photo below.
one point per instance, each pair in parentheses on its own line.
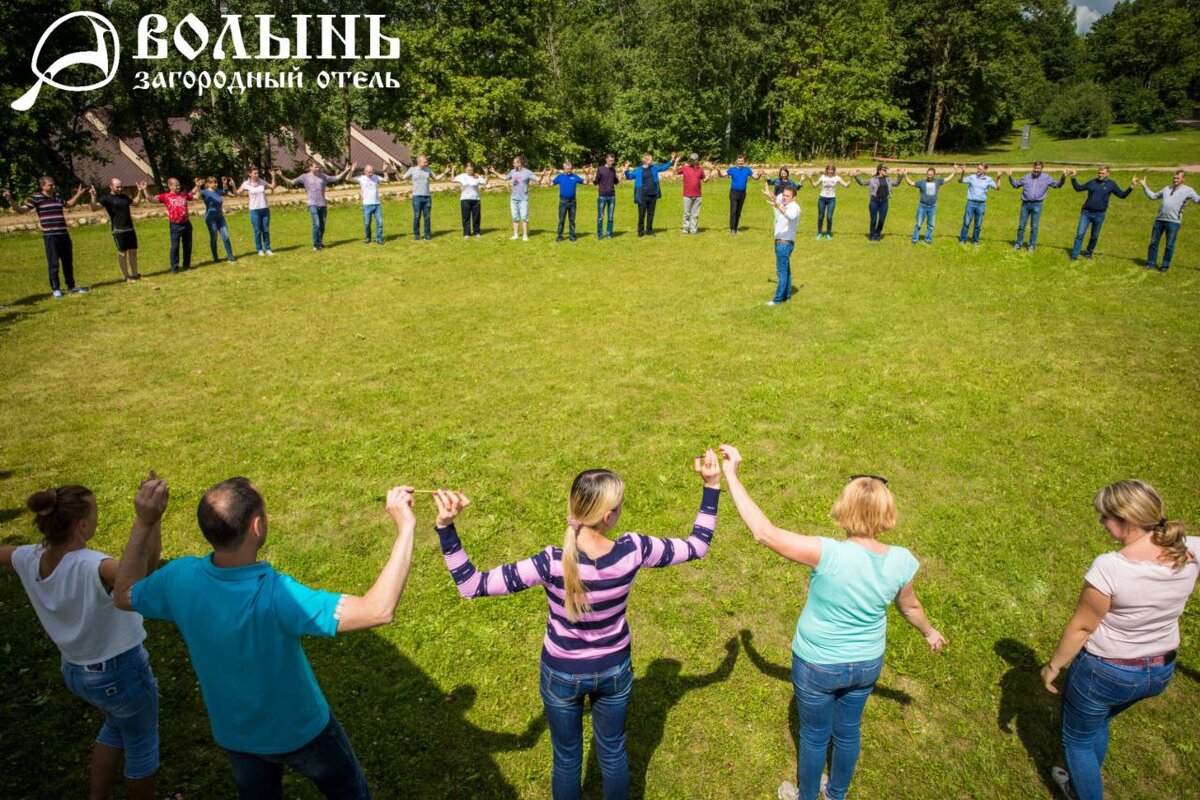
(775,79)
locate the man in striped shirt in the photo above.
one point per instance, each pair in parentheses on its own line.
(49,205)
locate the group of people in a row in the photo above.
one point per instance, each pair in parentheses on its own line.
(243,623)
(781,190)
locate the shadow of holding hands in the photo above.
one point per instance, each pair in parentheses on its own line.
(1025,703)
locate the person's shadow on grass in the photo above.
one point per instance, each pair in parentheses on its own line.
(1025,702)
(655,693)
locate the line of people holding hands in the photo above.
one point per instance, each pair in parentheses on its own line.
(243,623)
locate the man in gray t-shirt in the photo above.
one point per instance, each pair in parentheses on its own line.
(314,182)
(420,174)
(520,177)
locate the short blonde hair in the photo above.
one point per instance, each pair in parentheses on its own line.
(865,507)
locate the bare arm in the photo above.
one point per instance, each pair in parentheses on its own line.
(6,554)
(1093,605)
(378,606)
(145,540)
(914,613)
(802,549)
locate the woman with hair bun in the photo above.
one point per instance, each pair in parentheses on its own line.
(103,659)
(1121,641)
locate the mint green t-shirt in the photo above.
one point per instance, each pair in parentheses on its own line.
(845,618)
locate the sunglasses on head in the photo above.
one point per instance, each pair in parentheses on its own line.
(872,477)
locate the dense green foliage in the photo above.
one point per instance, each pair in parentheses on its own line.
(1079,111)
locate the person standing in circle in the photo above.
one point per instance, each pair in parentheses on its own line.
(422,195)
(179,221)
(118,205)
(739,175)
(880,188)
(519,177)
(470,184)
(827,182)
(606,180)
(694,175)
(314,182)
(50,205)
(1170,216)
(260,215)
(213,197)
(787,220)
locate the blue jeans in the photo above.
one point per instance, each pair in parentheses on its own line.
(925,214)
(878,209)
(422,205)
(1094,693)
(973,213)
(218,226)
(124,689)
(328,761)
(830,699)
(373,211)
(260,221)
(318,224)
(604,208)
(1171,229)
(825,205)
(1086,218)
(562,697)
(566,208)
(783,270)
(1031,212)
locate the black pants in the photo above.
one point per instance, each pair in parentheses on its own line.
(470,216)
(181,233)
(566,208)
(737,198)
(58,248)
(646,205)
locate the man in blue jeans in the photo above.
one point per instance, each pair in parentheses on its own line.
(314,182)
(929,188)
(1169,218)
(369,182)
(1099,189)
(422,197)
(1034,188)
(606,180)
(243,624)
(787,219)
(978,186)
(567,182)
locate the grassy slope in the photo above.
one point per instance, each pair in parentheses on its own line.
(996,390)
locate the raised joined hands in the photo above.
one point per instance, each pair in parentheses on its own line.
(150,502)
(449,503)
(400,506)
(709,468)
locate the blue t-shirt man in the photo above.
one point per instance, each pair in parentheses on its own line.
(738,176)
(243,626)
(929,190)
(567,183)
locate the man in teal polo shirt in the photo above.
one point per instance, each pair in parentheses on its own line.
(243,623)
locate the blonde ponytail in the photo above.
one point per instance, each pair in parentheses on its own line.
(576,596)
(1171,535)
(594,493)
(1137,503)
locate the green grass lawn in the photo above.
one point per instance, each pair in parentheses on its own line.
(997,390)
(1122,147)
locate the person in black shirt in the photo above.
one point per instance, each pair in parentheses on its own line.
(1099,189)
(118,205)
(606,180)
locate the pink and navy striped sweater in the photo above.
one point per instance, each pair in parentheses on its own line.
(600,638)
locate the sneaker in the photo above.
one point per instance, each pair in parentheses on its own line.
(1150,266)
(315,250)
(231,260)
(788,791)
(366,241)
(770,303)
(57,294)
(1088,256)
(559,239)
(572,238)
(1063,781)
(1017,246)
(1074,258)
(524,238)
(829,237)
(1030,248)
(262,252)
(478,235)
(270,252)
(79,290)
(466,236)
(514,237)
(137,276)
(820,236)
(1163,269)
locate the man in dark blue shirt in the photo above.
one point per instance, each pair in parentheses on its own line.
(567,182)
(1099,189)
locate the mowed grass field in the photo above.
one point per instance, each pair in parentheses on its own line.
(997,390)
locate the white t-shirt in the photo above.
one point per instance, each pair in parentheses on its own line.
(787,221)
(829,184)
(75,608)
(257,192)
(470,185)
(370,188)
(1147,600)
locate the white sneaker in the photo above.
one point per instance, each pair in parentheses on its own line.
(270,252)
(466,236)
(261,253)
(770,303)
(1063,781)
(57,294)
(514,237)
(525,237)
(788,791)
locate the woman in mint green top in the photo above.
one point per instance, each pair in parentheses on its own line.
(837,653)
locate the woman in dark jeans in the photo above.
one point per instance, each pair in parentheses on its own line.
(1122,639)
(586,649)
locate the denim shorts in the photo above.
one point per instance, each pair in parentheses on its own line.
(124,689)
(520,209)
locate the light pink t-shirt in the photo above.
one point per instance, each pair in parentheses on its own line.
(1147,600)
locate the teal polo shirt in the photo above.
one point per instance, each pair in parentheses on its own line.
(243,626)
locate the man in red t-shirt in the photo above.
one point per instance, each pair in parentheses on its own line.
(181,223)
(693,175)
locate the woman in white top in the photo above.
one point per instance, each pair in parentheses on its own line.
(470,184)
(826,199)
(103,659)
(1125,630)
(260,216)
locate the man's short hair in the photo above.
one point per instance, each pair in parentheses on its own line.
(226,511)
(42,181)
(1038,164)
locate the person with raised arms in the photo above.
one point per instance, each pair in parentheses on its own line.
(587,645)
(104,658)
(243,623)
(118,206)
(179,221)
(1122,640)
(1034,187)
(50,205)
(469,186)
(255,188)
(783,180)
(314,182)
(694,175)
(880,187)
(567,182)
(606,180)
(1170,216)
(368,184)
(787,220)
(827,182)
(978,186)
(213,196)
(930,187)
(837,651)
(422,196)
(739,176)
(519,177)
(1099,190)
(646,188)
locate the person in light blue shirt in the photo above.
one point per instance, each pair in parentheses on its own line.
(978,186)
(837,651)
(739,175)
(243,623)
(567,182)
(929,187)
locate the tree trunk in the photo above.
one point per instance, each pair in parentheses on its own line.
(938,109)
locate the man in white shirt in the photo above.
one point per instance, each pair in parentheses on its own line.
(369,183)
(787,219)
(469,200)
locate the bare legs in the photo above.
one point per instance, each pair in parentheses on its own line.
(106,765)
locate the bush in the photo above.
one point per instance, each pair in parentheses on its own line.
(1145,109)
(1078,111)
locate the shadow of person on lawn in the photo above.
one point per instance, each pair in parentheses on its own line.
(655,693)
(1025,702)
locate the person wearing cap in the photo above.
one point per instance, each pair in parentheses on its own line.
(880,188)
(693,175)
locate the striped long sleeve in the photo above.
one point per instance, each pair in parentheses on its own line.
(507,579)
(669,552)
